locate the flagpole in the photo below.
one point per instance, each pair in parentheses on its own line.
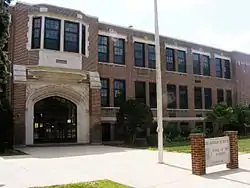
(158,85)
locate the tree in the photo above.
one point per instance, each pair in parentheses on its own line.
(6,116)
(4,36)
(133,118)
(220,115)
(240,118)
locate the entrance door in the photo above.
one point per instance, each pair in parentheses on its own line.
(105,132)
(55,121)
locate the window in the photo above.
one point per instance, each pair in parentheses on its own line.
(139,54)
(151,56)
(140,92)
(36,33)
(181,61)
(206,65)
(183,95)
(170,59)
(227,74)
(218,67)
(71,36)
(103,45)
(220,95)
(196,64)
(119,92)
(197,98)
(119,50)
(229,98)
(171,89)
(83,39)
(52,34)
(152,95)
(105,92)
(208,98)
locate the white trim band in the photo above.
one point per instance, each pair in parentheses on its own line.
(113,34)
(144,41)
(175,47)
(222,57)
(201,52)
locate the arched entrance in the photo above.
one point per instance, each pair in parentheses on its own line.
(55,120)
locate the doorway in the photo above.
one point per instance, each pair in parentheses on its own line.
(55,121)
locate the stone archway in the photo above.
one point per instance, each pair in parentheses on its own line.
(79,95)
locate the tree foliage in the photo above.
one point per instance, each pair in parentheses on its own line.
(133,118)
(220,115)
(4,35)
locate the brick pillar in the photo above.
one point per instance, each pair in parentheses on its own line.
(233,139)
(198,154)
(95,116)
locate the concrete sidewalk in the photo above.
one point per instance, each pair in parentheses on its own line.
(136,168)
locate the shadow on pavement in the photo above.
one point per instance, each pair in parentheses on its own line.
(174,166)
(222,174)
(66,151)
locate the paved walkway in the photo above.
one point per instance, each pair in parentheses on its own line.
(136,168)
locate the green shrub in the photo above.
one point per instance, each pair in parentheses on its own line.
(6,125)
(152,140)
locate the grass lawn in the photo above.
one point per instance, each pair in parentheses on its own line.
(93,184)
(184,147)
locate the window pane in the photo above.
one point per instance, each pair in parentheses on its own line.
(208,98)
(103,51)
(52,34)
(139,54)
(152,95)
(196,64)
(83,40)
(218,67)
(151,56)
(119,92)
(181,61)
(171,89)
(227,74)
(206,65)
(183,95)
(119,51)
(198,98)
(220,95)
(104,92)
(140,92)
(36,33)
(170,59)
(229,98)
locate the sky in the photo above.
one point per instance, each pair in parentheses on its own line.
(217,23)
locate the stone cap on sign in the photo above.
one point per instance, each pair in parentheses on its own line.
(94,80)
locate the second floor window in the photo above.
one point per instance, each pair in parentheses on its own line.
(152,95)
(103,52)
(220,95)
(227,73)
(151,56)
(119,51)
(71,37)
(182,67)
(139,54)
(170,59)
(105,92)
(196,64)
(119,92)
(140,92)
(206,65)
(229,99)
(208,98)
(171,91)
(36,33)
(198,98)
(183,96)
(52,34)
(218,68)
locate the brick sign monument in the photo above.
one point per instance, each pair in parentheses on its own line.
(207,152)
